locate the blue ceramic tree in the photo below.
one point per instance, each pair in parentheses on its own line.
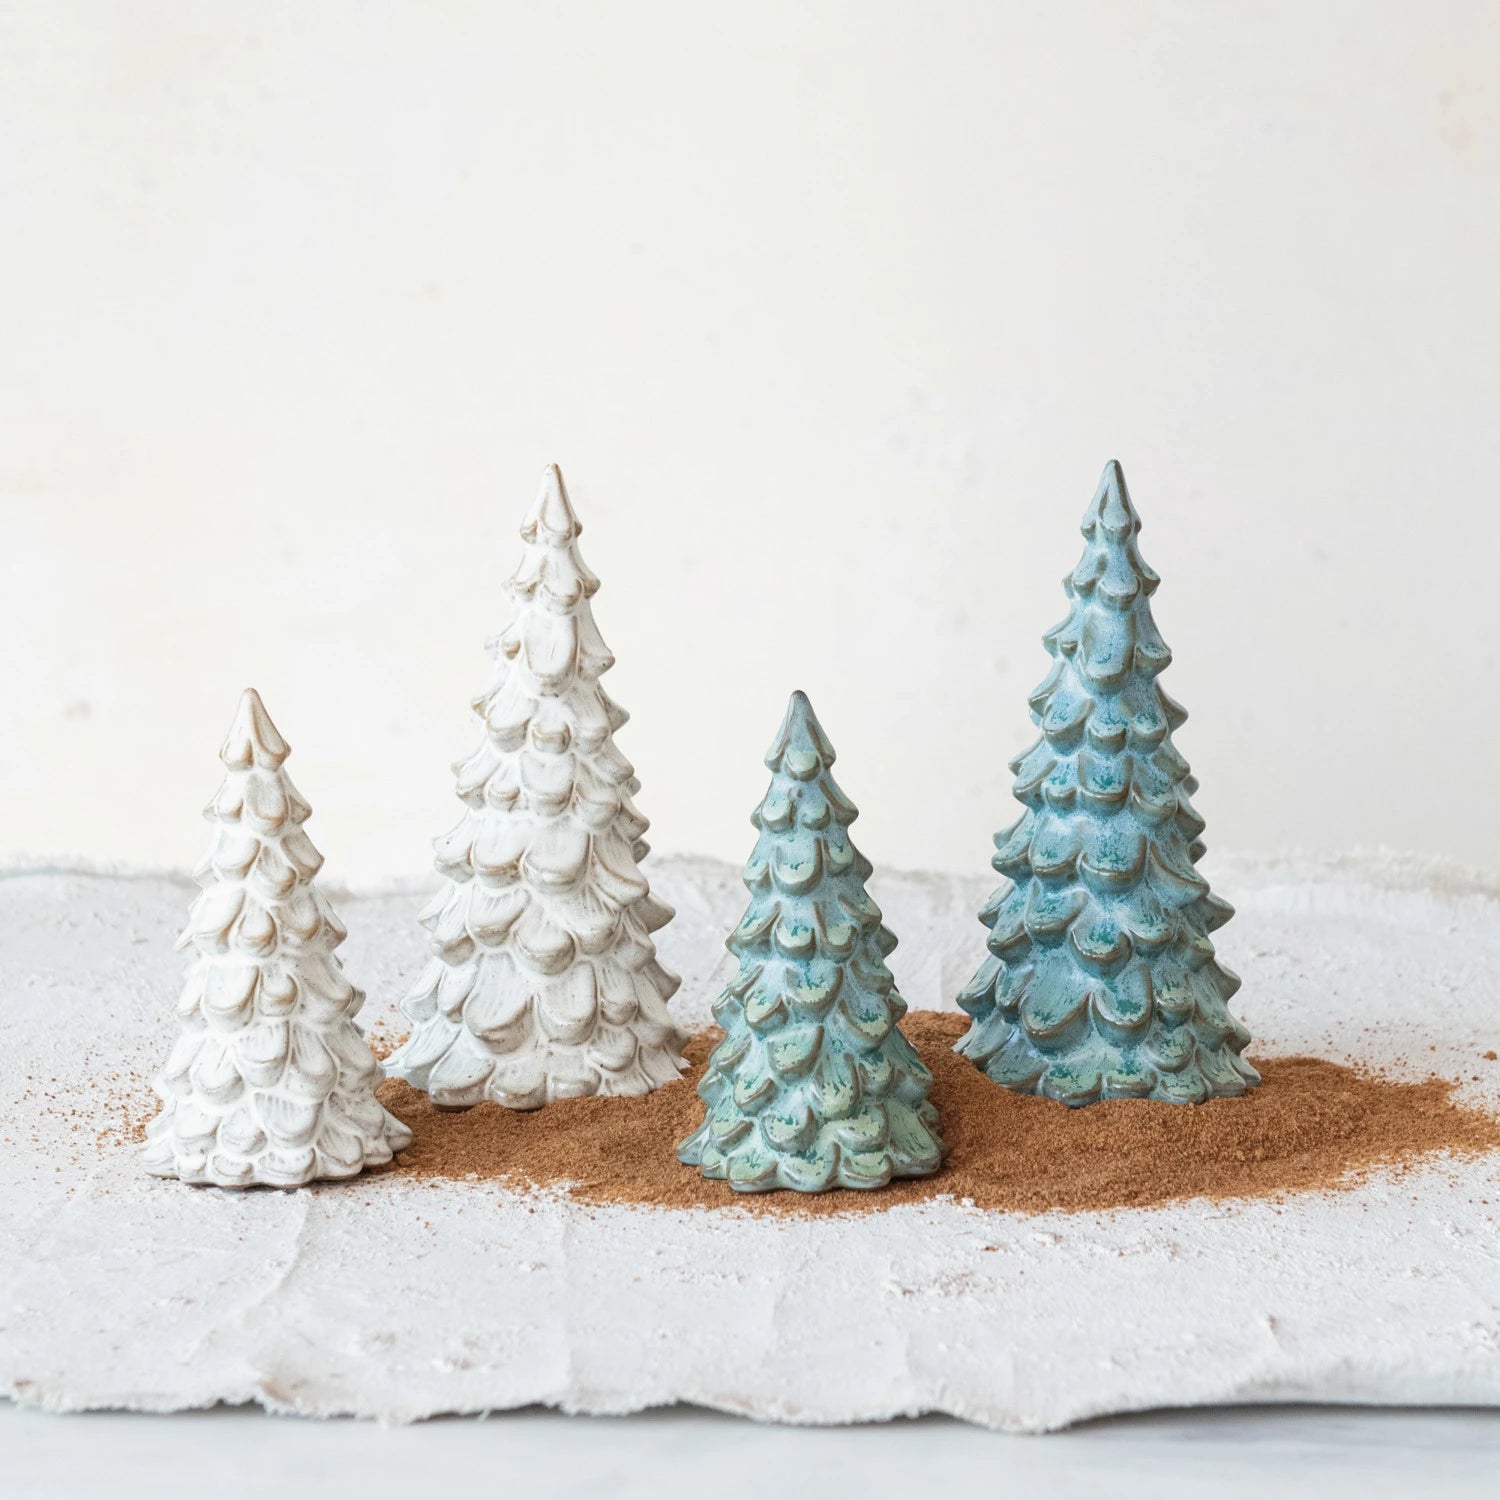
(1102,981)
(813,1086)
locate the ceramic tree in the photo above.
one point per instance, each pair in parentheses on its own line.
(813,1086)
(270,1082)
(1102,981)
(544,982)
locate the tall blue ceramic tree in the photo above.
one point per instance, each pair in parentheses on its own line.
(813,1086)
(1102,981)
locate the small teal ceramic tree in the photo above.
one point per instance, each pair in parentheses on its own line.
(1102,981)
(813,1086)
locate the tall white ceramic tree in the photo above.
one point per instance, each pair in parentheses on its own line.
(544,982)
(270,1082)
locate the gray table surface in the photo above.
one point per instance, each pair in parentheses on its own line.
(1282,1451)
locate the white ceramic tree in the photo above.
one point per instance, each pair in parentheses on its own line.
(544,983)
(270,1082)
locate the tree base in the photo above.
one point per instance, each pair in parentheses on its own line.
(751,1167)
(208,1164)
(1096,1069)
(457,1070)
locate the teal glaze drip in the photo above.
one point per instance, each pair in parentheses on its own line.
(813,1086)
(1102,981)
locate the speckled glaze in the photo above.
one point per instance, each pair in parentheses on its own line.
(544,982)
(1102,981)
(814,1086)
(270,1081)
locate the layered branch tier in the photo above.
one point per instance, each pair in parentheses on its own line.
(270,1081)
(1102,980)
(813,1086)
(544,982)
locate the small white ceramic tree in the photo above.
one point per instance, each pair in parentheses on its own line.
(544,983)
(270,1082)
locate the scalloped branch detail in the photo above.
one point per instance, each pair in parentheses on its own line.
(1102,981)
(544,982)
(813,1086)
(271,1082)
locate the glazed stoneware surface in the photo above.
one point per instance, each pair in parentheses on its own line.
(1102,981)
(544,982)
(813,1086)
(270,1081)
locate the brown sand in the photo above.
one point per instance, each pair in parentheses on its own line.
(1311,1125)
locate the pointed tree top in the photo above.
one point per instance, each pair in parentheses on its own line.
(1111,507)
(801,747)
(253,739)
(551,518)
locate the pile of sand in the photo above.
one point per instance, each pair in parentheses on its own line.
(1311,1125)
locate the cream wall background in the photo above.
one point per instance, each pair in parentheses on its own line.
(831,314)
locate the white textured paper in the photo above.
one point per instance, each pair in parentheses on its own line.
(398,1299)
